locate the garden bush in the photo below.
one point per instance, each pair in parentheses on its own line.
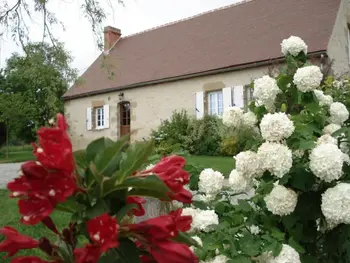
(288,197)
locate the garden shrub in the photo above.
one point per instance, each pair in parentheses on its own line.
(204,136)
(287,198)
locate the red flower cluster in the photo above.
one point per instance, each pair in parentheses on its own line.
(155,236)
(170,170)
(103,232)
(43,184)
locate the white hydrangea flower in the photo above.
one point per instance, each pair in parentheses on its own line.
(238,183)
(254,230)
(326,138)
(281,200)
(339,113)
(275,127)
(219,259)
(344,147)
(210,182)
(202,220)
(308,78)
(248,164)
(204,198)
(331,128)
(335,204)
(249,119)
(232,116)
(205,219)
(177,204)
(265,91)
(293,45)
(326,162)
(275,158)
(323,100)
(287,255)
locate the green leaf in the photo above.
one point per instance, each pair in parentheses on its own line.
(240,259)
(306,145)
(70,206)
(151,182)
(243,205)
(98,209)
(96,147)
(296,245)
(107,161)
(277,234)
(150,193)
(128,251)
(136,155)
(80,158)
(250,245)
(186,239)
(273,247)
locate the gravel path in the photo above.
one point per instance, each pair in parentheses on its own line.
(8,171)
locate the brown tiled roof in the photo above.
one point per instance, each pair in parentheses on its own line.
(239,34)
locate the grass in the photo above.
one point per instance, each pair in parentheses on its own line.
(10,217)
(16,154)
(218,163)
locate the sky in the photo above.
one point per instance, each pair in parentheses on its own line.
(133,17)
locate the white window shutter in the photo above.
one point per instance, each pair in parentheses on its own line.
(227,97)
(199,104)
(89,119)
(106,116)
(238,95)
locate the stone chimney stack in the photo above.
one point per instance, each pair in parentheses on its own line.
(111,36)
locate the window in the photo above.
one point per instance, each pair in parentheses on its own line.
(99,117)
(215,103)
(247,96)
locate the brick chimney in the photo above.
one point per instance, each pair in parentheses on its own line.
(111,35)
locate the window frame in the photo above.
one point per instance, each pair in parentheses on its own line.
(99,111)
(219,104)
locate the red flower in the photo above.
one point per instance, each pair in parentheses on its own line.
(35,209)
(170,161)
(103,231)
(30,259)
(172,252)
(163,227)
(88,254)
(139,211)
(170,171)
(55,151)
(58,187)
(34,170)
(15,241)
(183,223)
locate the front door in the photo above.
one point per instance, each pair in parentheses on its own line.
(124,118)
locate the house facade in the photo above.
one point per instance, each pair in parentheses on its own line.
(202,64)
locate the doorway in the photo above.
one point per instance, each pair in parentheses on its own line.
(124,109)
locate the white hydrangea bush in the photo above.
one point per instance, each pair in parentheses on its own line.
(287,196)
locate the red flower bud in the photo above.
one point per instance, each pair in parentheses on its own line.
(15,241)
(34,210)
(139,211)
(171,252)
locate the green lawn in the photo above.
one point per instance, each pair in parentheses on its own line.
(10,217)
(218,163)
(17,154)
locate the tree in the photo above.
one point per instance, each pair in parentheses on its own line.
(14,18)
(38,80)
